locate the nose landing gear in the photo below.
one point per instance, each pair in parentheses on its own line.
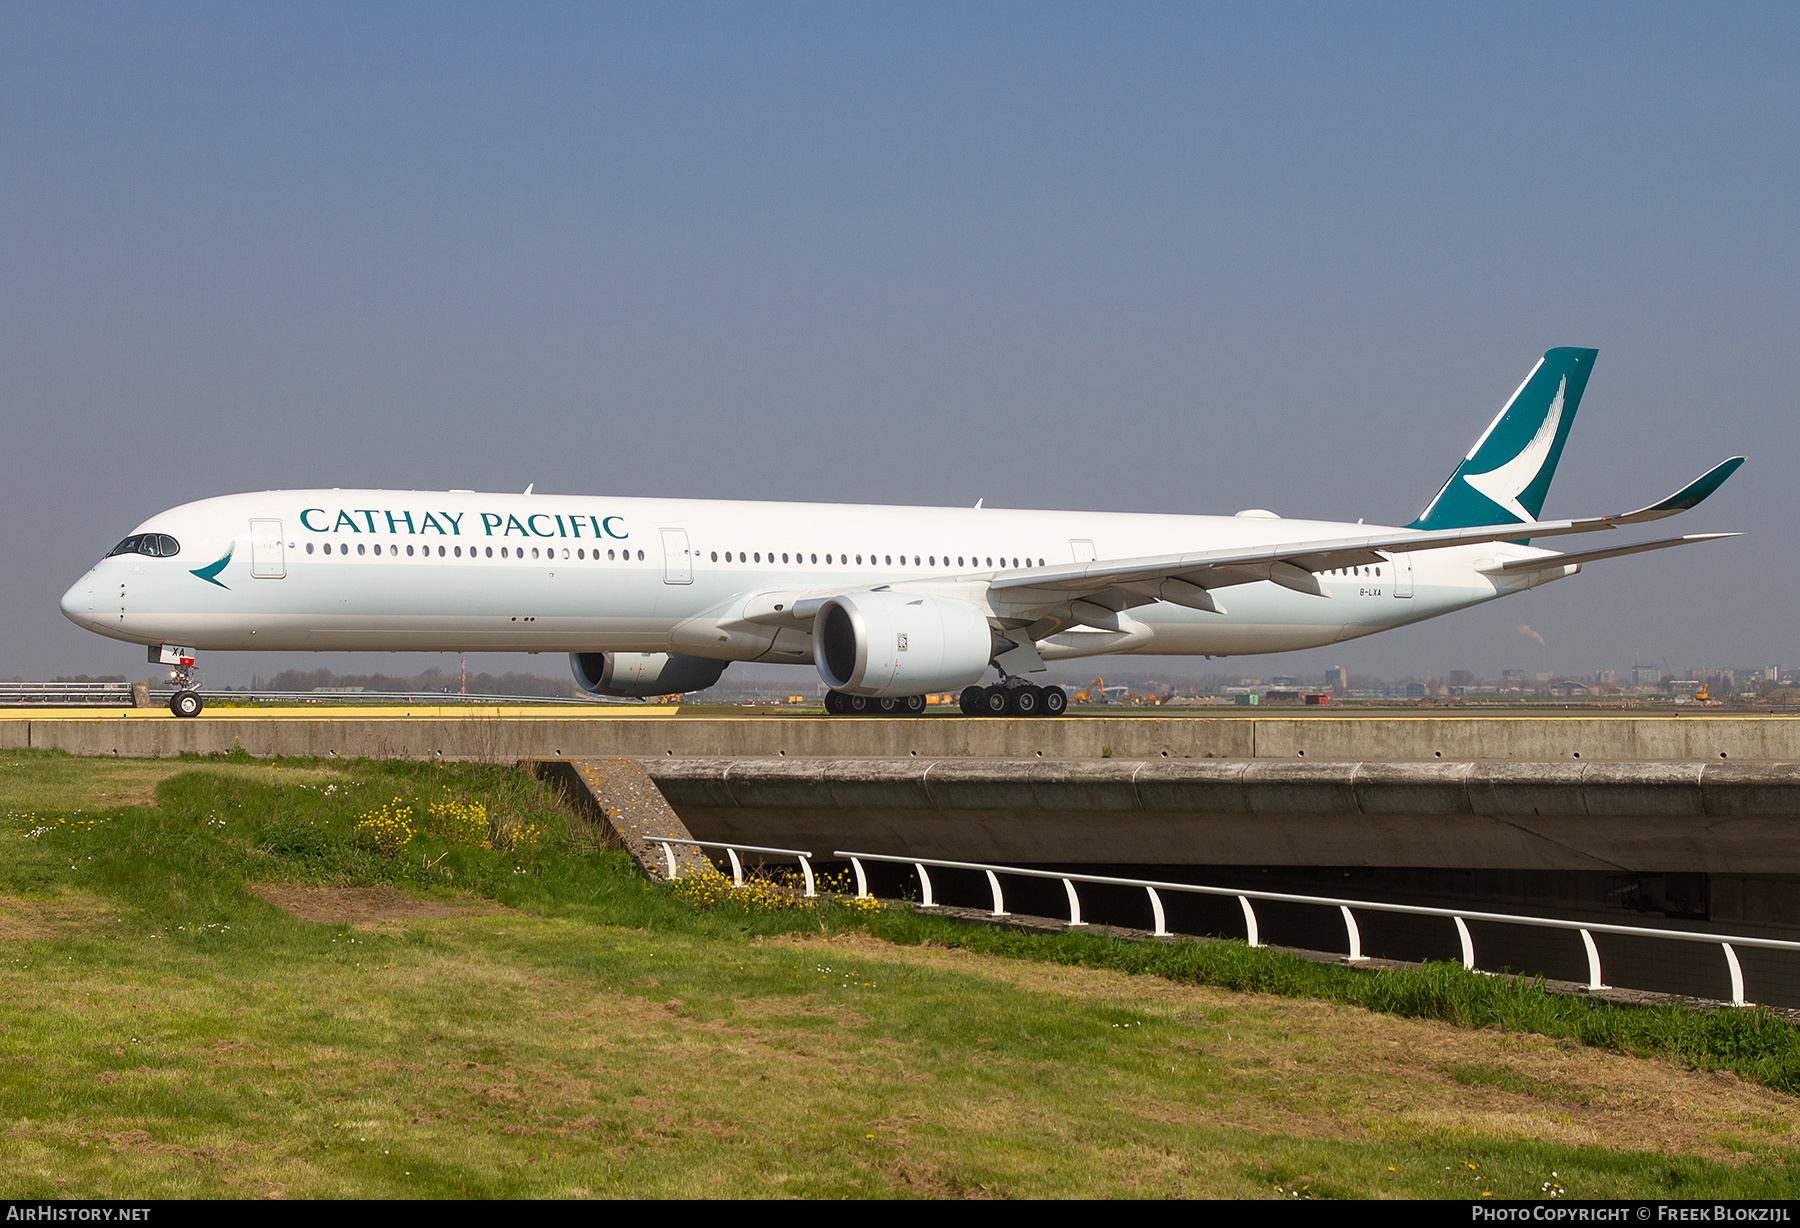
(186,702)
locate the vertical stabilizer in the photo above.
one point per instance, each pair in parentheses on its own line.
(1507,473)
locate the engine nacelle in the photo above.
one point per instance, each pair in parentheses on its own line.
(900,643)
(643,674)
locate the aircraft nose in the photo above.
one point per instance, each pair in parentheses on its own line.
(78,602)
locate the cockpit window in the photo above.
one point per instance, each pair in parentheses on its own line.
(156,545)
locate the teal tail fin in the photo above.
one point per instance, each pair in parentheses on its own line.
(1506,475)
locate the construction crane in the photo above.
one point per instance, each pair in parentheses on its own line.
(1096,692)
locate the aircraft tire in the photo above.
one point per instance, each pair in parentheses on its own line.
(834,704)
(914,705)
(1025,701)
(1056,701)
(887,705)
(970,701)
(994,701)
(186,704)
(859,705)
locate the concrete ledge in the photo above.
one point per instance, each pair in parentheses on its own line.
(506,735)
(1739,818)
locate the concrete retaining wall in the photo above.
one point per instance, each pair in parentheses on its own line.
(1716,817)
(505,738)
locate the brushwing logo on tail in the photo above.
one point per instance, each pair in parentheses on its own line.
(1505,483)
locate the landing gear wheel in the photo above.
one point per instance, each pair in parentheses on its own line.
(186,704)
(994,701)
(858,705)
(834,704)
(887,705)
(914,705)
(1026,701)
(970,701)
(1056,701)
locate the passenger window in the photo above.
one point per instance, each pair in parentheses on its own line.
(359,547)
(327,547)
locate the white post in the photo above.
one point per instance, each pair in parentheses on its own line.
(669,856)
(806,869)
(737,868)
(862,880)
(1468,944)
(925,886)
(1356,956)
(1593,954)
(1737,975)
(999,900)
(1156,909)
(1250,933)
(1074,904)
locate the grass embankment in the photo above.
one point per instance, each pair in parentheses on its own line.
(531,1018)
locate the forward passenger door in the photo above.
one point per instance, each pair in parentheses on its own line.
(678,560)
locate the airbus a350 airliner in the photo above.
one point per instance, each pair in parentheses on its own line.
(657,596)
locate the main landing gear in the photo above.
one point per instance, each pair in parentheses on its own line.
(997,700)
(839,704)
(1022,700)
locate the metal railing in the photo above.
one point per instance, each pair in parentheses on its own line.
(118,694)
(160,694)
(64,694)
(737,867)
(1587,929)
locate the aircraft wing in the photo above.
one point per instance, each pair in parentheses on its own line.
(1543,562)
(1176,577)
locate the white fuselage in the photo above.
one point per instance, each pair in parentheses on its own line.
(421,571)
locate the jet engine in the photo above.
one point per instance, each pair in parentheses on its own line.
(642,674)
(888,643)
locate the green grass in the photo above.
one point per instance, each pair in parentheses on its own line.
(164,1032)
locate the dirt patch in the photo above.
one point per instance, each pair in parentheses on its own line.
(373,907)
(59,918)
(1319,1069)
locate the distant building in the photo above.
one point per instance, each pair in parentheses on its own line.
(1608,677)
(1462,677)
(1645,675)
(1338,679)
(1285,681)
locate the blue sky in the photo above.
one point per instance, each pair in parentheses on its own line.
(1141,258)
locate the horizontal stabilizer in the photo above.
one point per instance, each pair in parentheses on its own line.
(1544,562)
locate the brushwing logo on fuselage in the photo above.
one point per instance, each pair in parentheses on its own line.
(210,572)
(1505,483)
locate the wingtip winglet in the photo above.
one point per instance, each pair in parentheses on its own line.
(1690,495)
